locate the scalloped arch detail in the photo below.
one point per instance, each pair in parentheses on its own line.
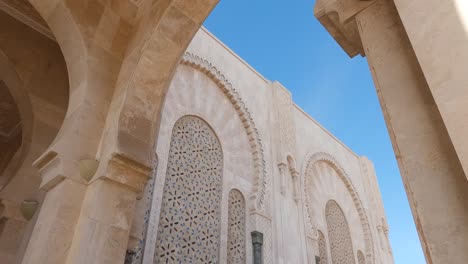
(330,160)
(260,185)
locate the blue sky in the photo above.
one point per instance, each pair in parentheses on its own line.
(283,41)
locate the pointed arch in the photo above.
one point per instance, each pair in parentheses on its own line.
(330,160)
(236,253)
(260,184)
(189,226)
(339,235)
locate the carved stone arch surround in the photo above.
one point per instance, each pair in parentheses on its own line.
(257,214)
(260,185)
(329,159)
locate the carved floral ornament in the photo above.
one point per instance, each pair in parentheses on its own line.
(330,160)
(260,185)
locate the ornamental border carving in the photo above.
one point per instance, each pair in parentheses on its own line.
(259,192)
(322,156)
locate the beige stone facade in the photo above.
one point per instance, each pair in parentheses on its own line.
(129,134)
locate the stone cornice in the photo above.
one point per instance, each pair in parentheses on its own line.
(260,185)
(337,16)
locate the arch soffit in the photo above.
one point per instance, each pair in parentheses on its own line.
(14,84)
(70,38)
(330,160)
(260,184)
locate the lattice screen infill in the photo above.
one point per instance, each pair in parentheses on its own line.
(339,236)
(236,228)
(189,225)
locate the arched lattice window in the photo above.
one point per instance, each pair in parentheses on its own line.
(360,257)
(236,228)
(322,245)
(189,224)
(341,247)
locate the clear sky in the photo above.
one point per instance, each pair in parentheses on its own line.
(283,41)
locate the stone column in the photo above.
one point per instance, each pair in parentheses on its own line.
(103,228)
(432,173)
(257,242)
(438,32)
(82,222)
(55,225)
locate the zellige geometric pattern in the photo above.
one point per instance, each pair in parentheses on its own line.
(189,224)
(236,228)
(341,247)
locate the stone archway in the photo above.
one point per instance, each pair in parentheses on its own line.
(35,74)
(260,186)
(13,85)
(112,117)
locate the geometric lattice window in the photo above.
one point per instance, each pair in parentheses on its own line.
(189,223)
(322,245)
(236,228)
(360,257)
(341,247)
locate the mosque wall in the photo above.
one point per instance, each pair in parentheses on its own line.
(297,184)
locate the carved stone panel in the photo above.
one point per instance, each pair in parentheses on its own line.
(286,127)
(236,228)
(189,225)
(341,247)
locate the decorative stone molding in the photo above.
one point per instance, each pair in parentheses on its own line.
(285,122)
(127,172)
(282,169)
(295,177)
(337,16)
(322,156)
(261,181)
(50,168)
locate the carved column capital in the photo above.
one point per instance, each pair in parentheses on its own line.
(337,16)
(127,172)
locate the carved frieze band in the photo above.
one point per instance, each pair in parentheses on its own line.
(260,185)
(321,156)
(287,130)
